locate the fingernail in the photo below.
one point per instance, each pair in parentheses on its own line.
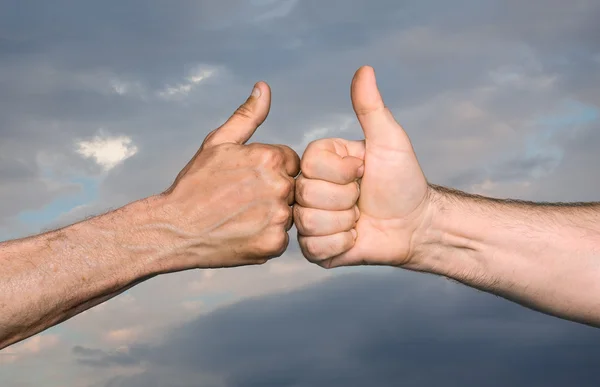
(256,92)
(354,233)
(356,212)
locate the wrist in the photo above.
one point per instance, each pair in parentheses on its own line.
(128,234)
(440,244)
(159,236)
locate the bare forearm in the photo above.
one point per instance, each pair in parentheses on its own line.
(545,256)
(51,277)
(229,206)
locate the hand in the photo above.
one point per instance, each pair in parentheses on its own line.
(230,205)
(361,202)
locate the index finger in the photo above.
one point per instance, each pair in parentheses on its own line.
(291,160)
(322,162)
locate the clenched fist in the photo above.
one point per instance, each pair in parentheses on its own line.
(362,202)
(230,205)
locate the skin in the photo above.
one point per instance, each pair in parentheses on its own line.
(357,203)
(369,203)
(229,206)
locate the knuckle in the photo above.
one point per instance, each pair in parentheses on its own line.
(307,164)
(307,223)
(315,144)
(284,187)
(370,109)
(245,112)
(299,219)
(313,248)
(273,243)
(302,190)
(277,243)
(326,264)
(282,215)
(271,156)
(256,148)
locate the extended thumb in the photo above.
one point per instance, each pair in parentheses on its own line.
(247,118)
(378,123)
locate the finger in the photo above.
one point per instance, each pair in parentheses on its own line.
(276,244)
(291,160)
(246,119)
(283,216)
(324,195)
(320,248)
(329,166)
(291,196)
(314,222)
(378,123)
(334,159)
(290,220)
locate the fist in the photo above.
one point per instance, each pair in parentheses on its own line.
(231,204)
(362,202)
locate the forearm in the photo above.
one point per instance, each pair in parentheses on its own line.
(51,277)
(545,256)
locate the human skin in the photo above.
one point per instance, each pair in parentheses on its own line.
(368,203)
(229,206)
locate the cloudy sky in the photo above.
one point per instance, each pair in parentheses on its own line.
(102,103)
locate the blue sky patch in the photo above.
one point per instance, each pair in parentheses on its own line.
(48,214)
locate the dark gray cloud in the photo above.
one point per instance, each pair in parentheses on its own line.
(378,330)
(58,60)
(101,359)
(471,81)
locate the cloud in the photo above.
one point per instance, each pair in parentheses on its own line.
(32,346)
(373,329)
(336,128)
(123,335)
(278,9)
(183,89)
(496,96)
(98,358)
(107,151)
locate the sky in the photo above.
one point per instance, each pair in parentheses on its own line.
(102,103)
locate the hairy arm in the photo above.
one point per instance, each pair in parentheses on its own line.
(229,206)
(48,278)
(545,256)
(368,202)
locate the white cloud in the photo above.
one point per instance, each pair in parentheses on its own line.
(107,151)
(123,335)
(121,87)
(340,125)
(31,346)
(184,88)
(278,9)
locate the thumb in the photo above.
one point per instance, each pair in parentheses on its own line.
(246,119)
(377,122)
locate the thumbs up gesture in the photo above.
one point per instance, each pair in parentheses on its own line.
(230,205)
(362,202)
